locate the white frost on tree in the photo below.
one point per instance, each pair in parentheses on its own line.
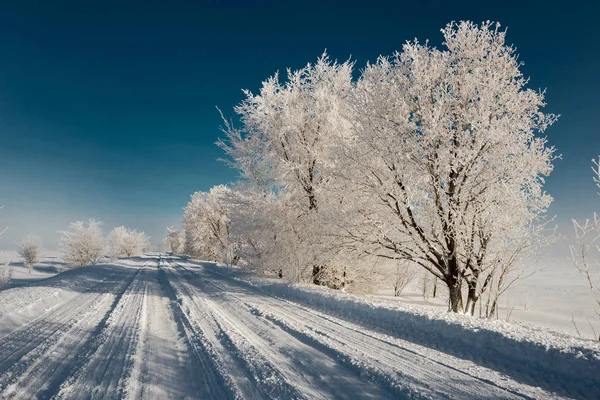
(29,251)
(269,239)
(175,240)
(285,148)
(207,226)
(251,228)
(447,166)
(83,243)
(126,242)
(434,156)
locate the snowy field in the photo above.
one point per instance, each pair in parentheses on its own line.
(552,297)
(163,327)
(50,264)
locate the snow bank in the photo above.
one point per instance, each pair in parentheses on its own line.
(533,355)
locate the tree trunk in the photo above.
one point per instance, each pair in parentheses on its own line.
(316,274)
(493,308)
(425,286)
(472,298)
(455,303)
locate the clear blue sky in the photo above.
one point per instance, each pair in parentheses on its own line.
(107,109)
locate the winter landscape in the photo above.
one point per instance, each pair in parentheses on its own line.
(413,220)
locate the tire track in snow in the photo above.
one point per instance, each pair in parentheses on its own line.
(40,349)
(26,301)
(162,368)
(387,362)
(177,332)
(311,370)
(89,347)
(209,382)
(358,379)
(398,364)
(251,373)
(110,356)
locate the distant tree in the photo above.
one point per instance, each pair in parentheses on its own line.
(125,242)
(585,254)
(175,240)
(207,226)
(83,243)
(29,251)
(446,167)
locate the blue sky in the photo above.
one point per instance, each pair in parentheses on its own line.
(107,109)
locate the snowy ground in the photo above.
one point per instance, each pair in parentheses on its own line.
(553,294)
(162,327)
(50,264)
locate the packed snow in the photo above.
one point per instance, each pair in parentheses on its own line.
(161,326)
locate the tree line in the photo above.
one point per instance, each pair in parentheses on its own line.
(431,156)
(84,244)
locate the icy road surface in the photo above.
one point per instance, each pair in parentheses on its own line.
(159,327)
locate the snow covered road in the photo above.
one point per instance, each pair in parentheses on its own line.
(161,327)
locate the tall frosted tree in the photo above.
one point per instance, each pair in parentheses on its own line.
(447,164)
(289,131)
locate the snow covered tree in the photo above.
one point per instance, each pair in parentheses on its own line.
(175,240)
(206,226)
(83,243)
(268,234)
(446,168)
(125,242)
(251,228)
(29,251)
(585,254)
(285,146)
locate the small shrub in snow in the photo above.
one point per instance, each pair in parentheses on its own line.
(83,243)
(29,251)
(5,275)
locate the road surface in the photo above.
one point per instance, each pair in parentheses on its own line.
(160,327)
